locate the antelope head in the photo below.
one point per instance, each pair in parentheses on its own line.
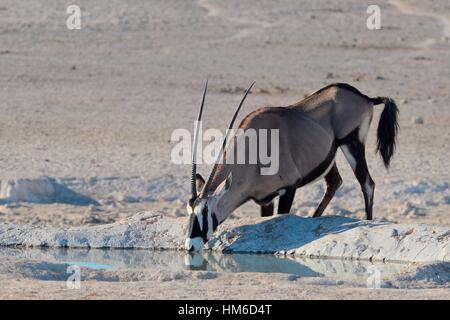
(202,207)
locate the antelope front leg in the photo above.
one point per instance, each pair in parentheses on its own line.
(267,209)
(286,199)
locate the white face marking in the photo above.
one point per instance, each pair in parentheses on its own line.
(281,192)
(198,211)
(364,129)
(351,160)
(193,243)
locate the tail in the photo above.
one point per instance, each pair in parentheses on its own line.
(387,128)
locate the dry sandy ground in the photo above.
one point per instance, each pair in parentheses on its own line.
(224,286)
(27,281)
(95,108)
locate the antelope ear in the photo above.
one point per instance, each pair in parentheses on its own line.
(224,186)
(228,182)
(200,182)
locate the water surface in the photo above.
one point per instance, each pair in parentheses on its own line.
(206,261)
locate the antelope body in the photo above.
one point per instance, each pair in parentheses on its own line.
(310,132)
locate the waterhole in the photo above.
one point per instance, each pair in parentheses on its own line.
(206,261)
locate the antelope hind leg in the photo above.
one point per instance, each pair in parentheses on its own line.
(334,181)
(354,152)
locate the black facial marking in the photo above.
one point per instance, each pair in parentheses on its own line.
(215,222)
(194,226)
(205,224)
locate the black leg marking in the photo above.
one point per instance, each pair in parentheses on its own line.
(267,209)
(285,202)
(334,181)
(354,151)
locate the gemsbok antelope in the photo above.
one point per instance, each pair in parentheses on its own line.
(310,132)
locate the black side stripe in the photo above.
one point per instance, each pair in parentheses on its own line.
(320,169)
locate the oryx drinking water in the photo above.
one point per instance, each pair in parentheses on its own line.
(310,132)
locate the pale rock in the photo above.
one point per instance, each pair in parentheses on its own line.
(27,190)
(325,237)
(417,120)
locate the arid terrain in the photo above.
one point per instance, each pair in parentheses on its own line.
(87,117)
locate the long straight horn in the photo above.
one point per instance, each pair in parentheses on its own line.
(213,171)
(194,147)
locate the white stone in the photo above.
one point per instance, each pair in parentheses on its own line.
(417,120)
(27,190)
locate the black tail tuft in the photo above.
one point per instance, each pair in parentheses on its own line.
(387,128)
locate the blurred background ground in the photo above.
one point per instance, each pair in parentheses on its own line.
(95,108)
